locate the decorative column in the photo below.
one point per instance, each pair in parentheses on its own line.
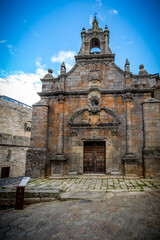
(83,33)
(106,35)
(62,76)
(128,103)
(130,161)
(60,139)
(127,74)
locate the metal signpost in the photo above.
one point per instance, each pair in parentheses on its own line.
(20,193)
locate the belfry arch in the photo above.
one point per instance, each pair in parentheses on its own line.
(95,45)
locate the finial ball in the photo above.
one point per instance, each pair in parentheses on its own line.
(50,70)
(141,66)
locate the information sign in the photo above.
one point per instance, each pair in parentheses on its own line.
(24,181)
(20,193)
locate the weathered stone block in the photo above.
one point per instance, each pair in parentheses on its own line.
(36,162)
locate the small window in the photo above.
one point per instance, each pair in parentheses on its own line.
(94,102)
(27,126)
(5,172)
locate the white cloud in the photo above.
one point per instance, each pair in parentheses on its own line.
(99,2)
(10,47)
(112,12)
(68,66)
(90,20)
(65,56)
(3,41)
(117,47)
(115,11)
(38,63)
(22,86)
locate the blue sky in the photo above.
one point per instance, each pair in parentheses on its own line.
(37,35)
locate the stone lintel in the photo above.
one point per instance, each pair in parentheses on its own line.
(130,158)
(152,152)
(150,100)
(86,92)
(36,149)
(47,79)
(95,57)
(58,158)
(13,140)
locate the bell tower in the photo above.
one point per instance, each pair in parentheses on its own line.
(95,40)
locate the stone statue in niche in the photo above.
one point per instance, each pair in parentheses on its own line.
(94,73)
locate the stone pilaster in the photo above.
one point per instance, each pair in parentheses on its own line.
(151,128)
(39,124)
(60,139)
(128,106)
(129,160)
(36,157)
(58,160)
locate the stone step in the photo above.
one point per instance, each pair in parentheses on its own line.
(8,197)
(94,195)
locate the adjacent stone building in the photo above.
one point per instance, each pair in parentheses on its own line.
(97,118)
(15,131)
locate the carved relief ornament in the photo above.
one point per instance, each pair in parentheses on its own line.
(61,98)
(91,113)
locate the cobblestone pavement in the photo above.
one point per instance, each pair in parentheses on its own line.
(105,184)
(124,216)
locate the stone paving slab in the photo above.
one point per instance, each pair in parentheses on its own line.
(121,216)
(91,184)
(50,188)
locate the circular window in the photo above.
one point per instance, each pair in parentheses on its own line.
(95,102)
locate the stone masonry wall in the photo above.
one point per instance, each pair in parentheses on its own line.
(81,76)
(15,158)
(13,118)
(151,120)
(15,126)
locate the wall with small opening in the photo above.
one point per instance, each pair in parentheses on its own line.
(95,46)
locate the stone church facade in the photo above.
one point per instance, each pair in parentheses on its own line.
(97,118)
